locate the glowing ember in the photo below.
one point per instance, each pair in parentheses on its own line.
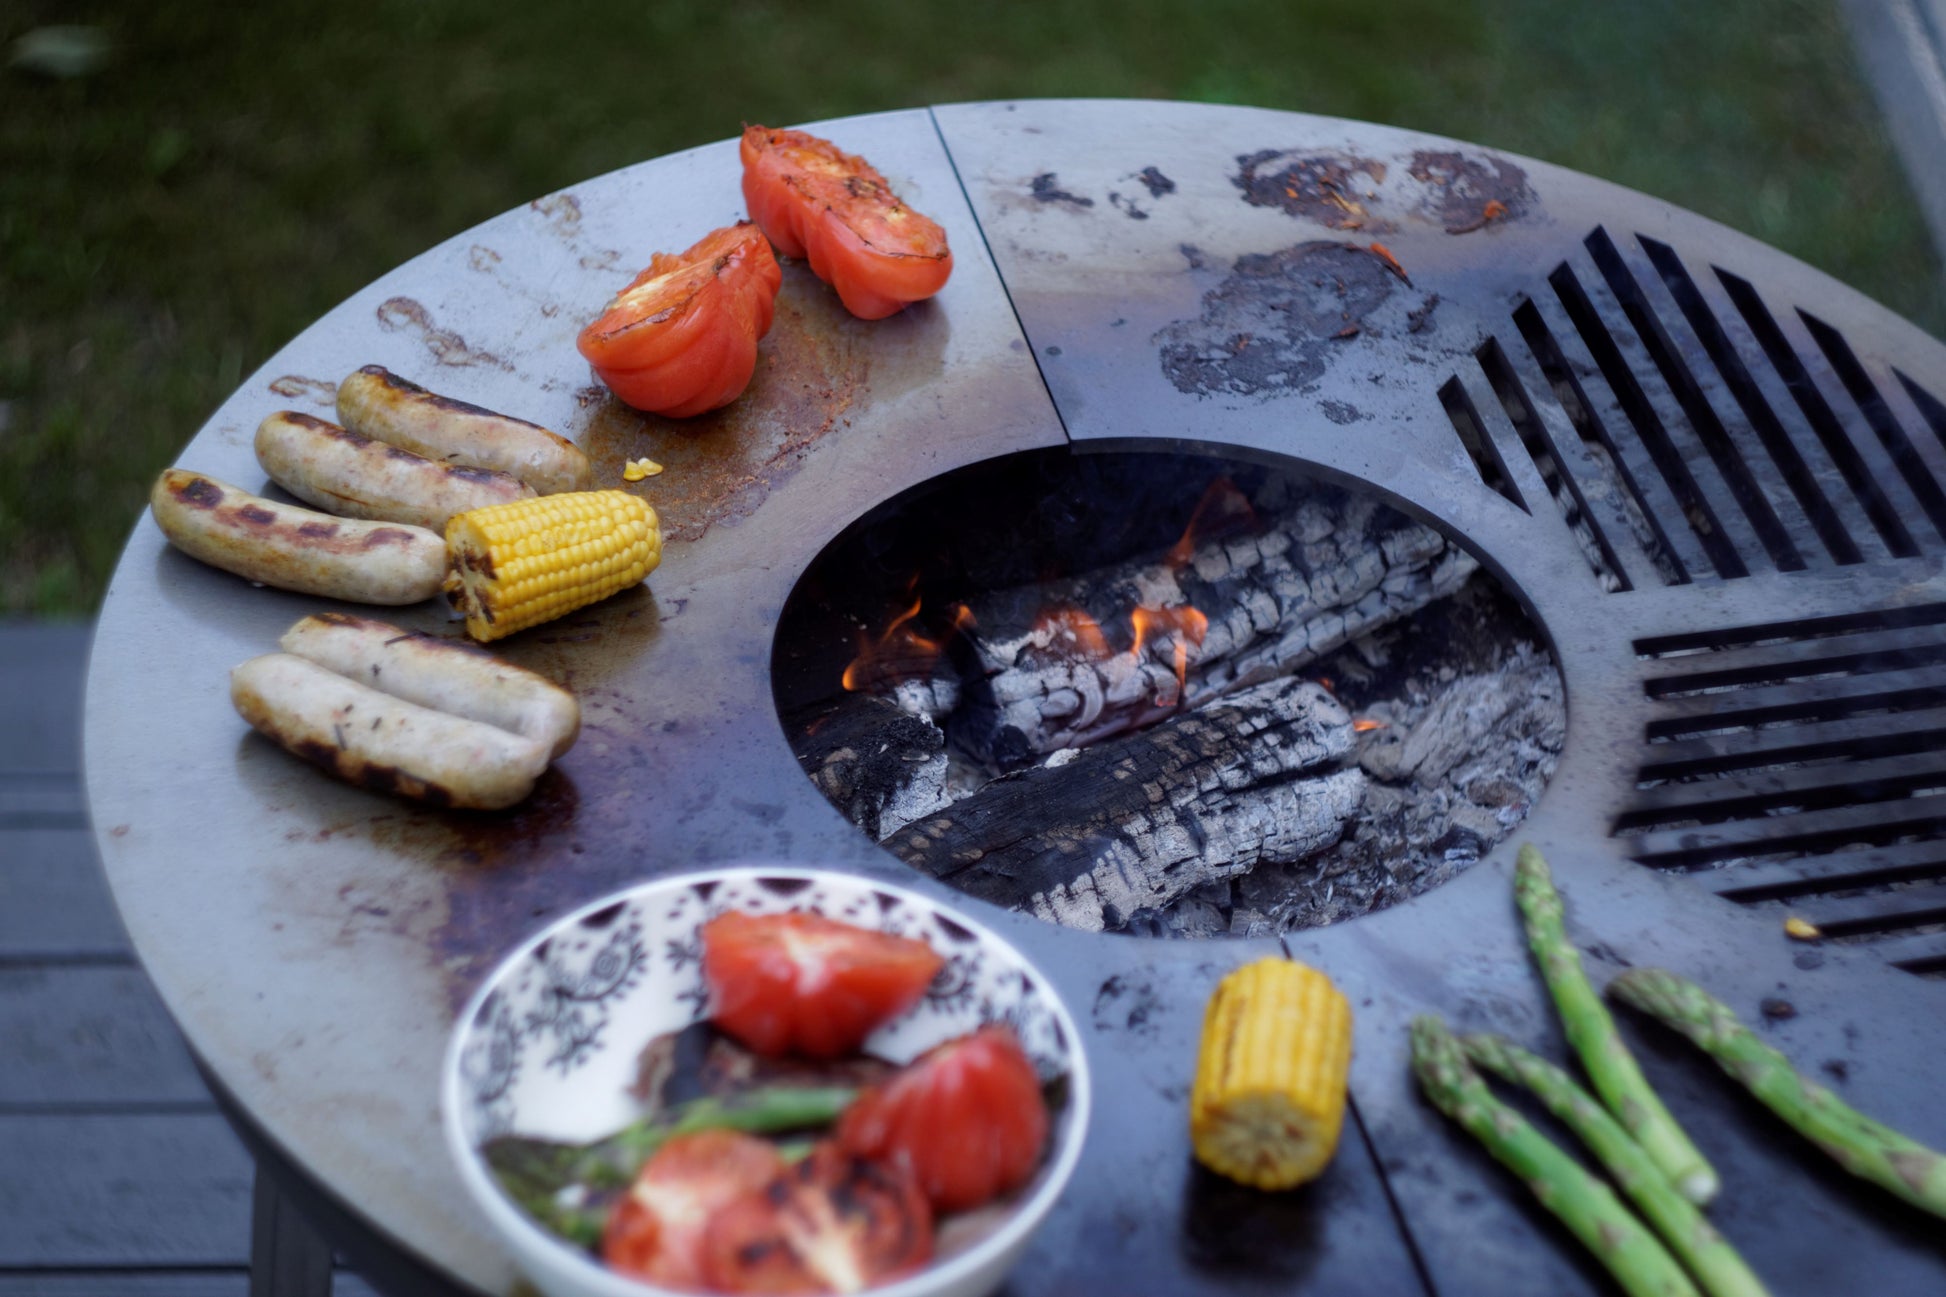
(1072,632)
(1222,511)
(1365,726)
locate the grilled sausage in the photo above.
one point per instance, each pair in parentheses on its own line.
(445,675)
(384,743)
(382,405)
(296,549)
(353,476)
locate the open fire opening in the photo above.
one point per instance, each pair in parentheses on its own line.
(1166,694)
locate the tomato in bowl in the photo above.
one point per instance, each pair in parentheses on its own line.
(550,1052)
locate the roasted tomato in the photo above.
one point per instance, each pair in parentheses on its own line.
(802,984)
(967,1119)
(656,1231)
(813,200)
(830,1223)
(682,338)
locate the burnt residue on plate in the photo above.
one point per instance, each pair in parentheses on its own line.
(317,390)
(1155,182)
(1320,187)
(1045,188)
(1466,192)
(1271,326)
(447,347)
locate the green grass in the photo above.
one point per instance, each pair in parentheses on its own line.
(168,222)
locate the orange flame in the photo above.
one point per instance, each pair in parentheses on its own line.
(1189,624)
(1364,725)
(1222,511)
(901,652)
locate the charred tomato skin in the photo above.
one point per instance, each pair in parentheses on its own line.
(656,1231)
(831,1222)
(807,985)
(834,209)
(682,338)
(967,1119)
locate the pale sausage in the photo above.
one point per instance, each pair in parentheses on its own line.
(354,476)
(296,549)
(384,743)
(445,675)
(380,404)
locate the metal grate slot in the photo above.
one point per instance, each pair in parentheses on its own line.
(1920,953)
(1872,404)
(1928,406)
(1562,487)
(1844,452)
(1803,761)
(1602,460)
(1649,425)
(1480,447)
(1704,423)
(1777,441)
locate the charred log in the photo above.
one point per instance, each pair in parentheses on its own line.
(1095,836)
(878,763)
(1320,571)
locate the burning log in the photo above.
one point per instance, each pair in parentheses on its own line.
(879,763)
(1094,836)
(1327,568)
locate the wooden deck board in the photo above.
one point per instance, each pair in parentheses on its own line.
(79,1036)
(53,902)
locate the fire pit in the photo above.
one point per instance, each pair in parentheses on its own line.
(1700,481)
(1081,687)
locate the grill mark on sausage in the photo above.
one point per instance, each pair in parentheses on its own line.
(415,394)
(256,516)
(317,530)
(198,493)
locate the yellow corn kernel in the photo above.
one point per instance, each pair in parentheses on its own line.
(1269,1097)
(636,469)
(1801,929)
(528,561)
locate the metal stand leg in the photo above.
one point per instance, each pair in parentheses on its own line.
(287,1257)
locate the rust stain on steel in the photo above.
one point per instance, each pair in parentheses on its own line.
(447,347)
(562,211)
(1465,193)
(1269,328)
(482,258)
(721,466)
(1320,187)
(314,389)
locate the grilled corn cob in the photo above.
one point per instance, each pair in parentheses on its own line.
(518,564)
(1269,1097)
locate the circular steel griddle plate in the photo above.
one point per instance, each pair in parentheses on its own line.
(313,940)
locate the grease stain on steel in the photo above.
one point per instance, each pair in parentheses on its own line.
(1320,187)
(1460,187)
(313,389)
(562,211)
(1340,412)
(1045,188)
(482,258)
(1269,328)
(447,347)
(1155,182)
(721,466)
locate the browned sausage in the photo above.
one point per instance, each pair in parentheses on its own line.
(353,476)
(384,743)
(296,549)
(445,675)
(380,404)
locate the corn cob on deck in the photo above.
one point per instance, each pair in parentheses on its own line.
(1269,1098)
(518,564)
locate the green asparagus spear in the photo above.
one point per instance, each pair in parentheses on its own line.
(1585,1204)
(1617,1078)
(1864,1147)
(1710,1257)
(569,1187)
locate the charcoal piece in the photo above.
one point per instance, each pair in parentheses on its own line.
(1320,569)
(1100,835)
(881,765)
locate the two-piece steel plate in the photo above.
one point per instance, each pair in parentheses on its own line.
(1129,274)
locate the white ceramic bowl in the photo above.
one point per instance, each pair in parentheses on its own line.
(547,1047)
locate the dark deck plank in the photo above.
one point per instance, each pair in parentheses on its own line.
(121,1189)
(80,1036)
(153,1283)
(53,901)
(42,664)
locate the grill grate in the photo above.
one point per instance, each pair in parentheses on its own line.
(1683,433)
(1805,762)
